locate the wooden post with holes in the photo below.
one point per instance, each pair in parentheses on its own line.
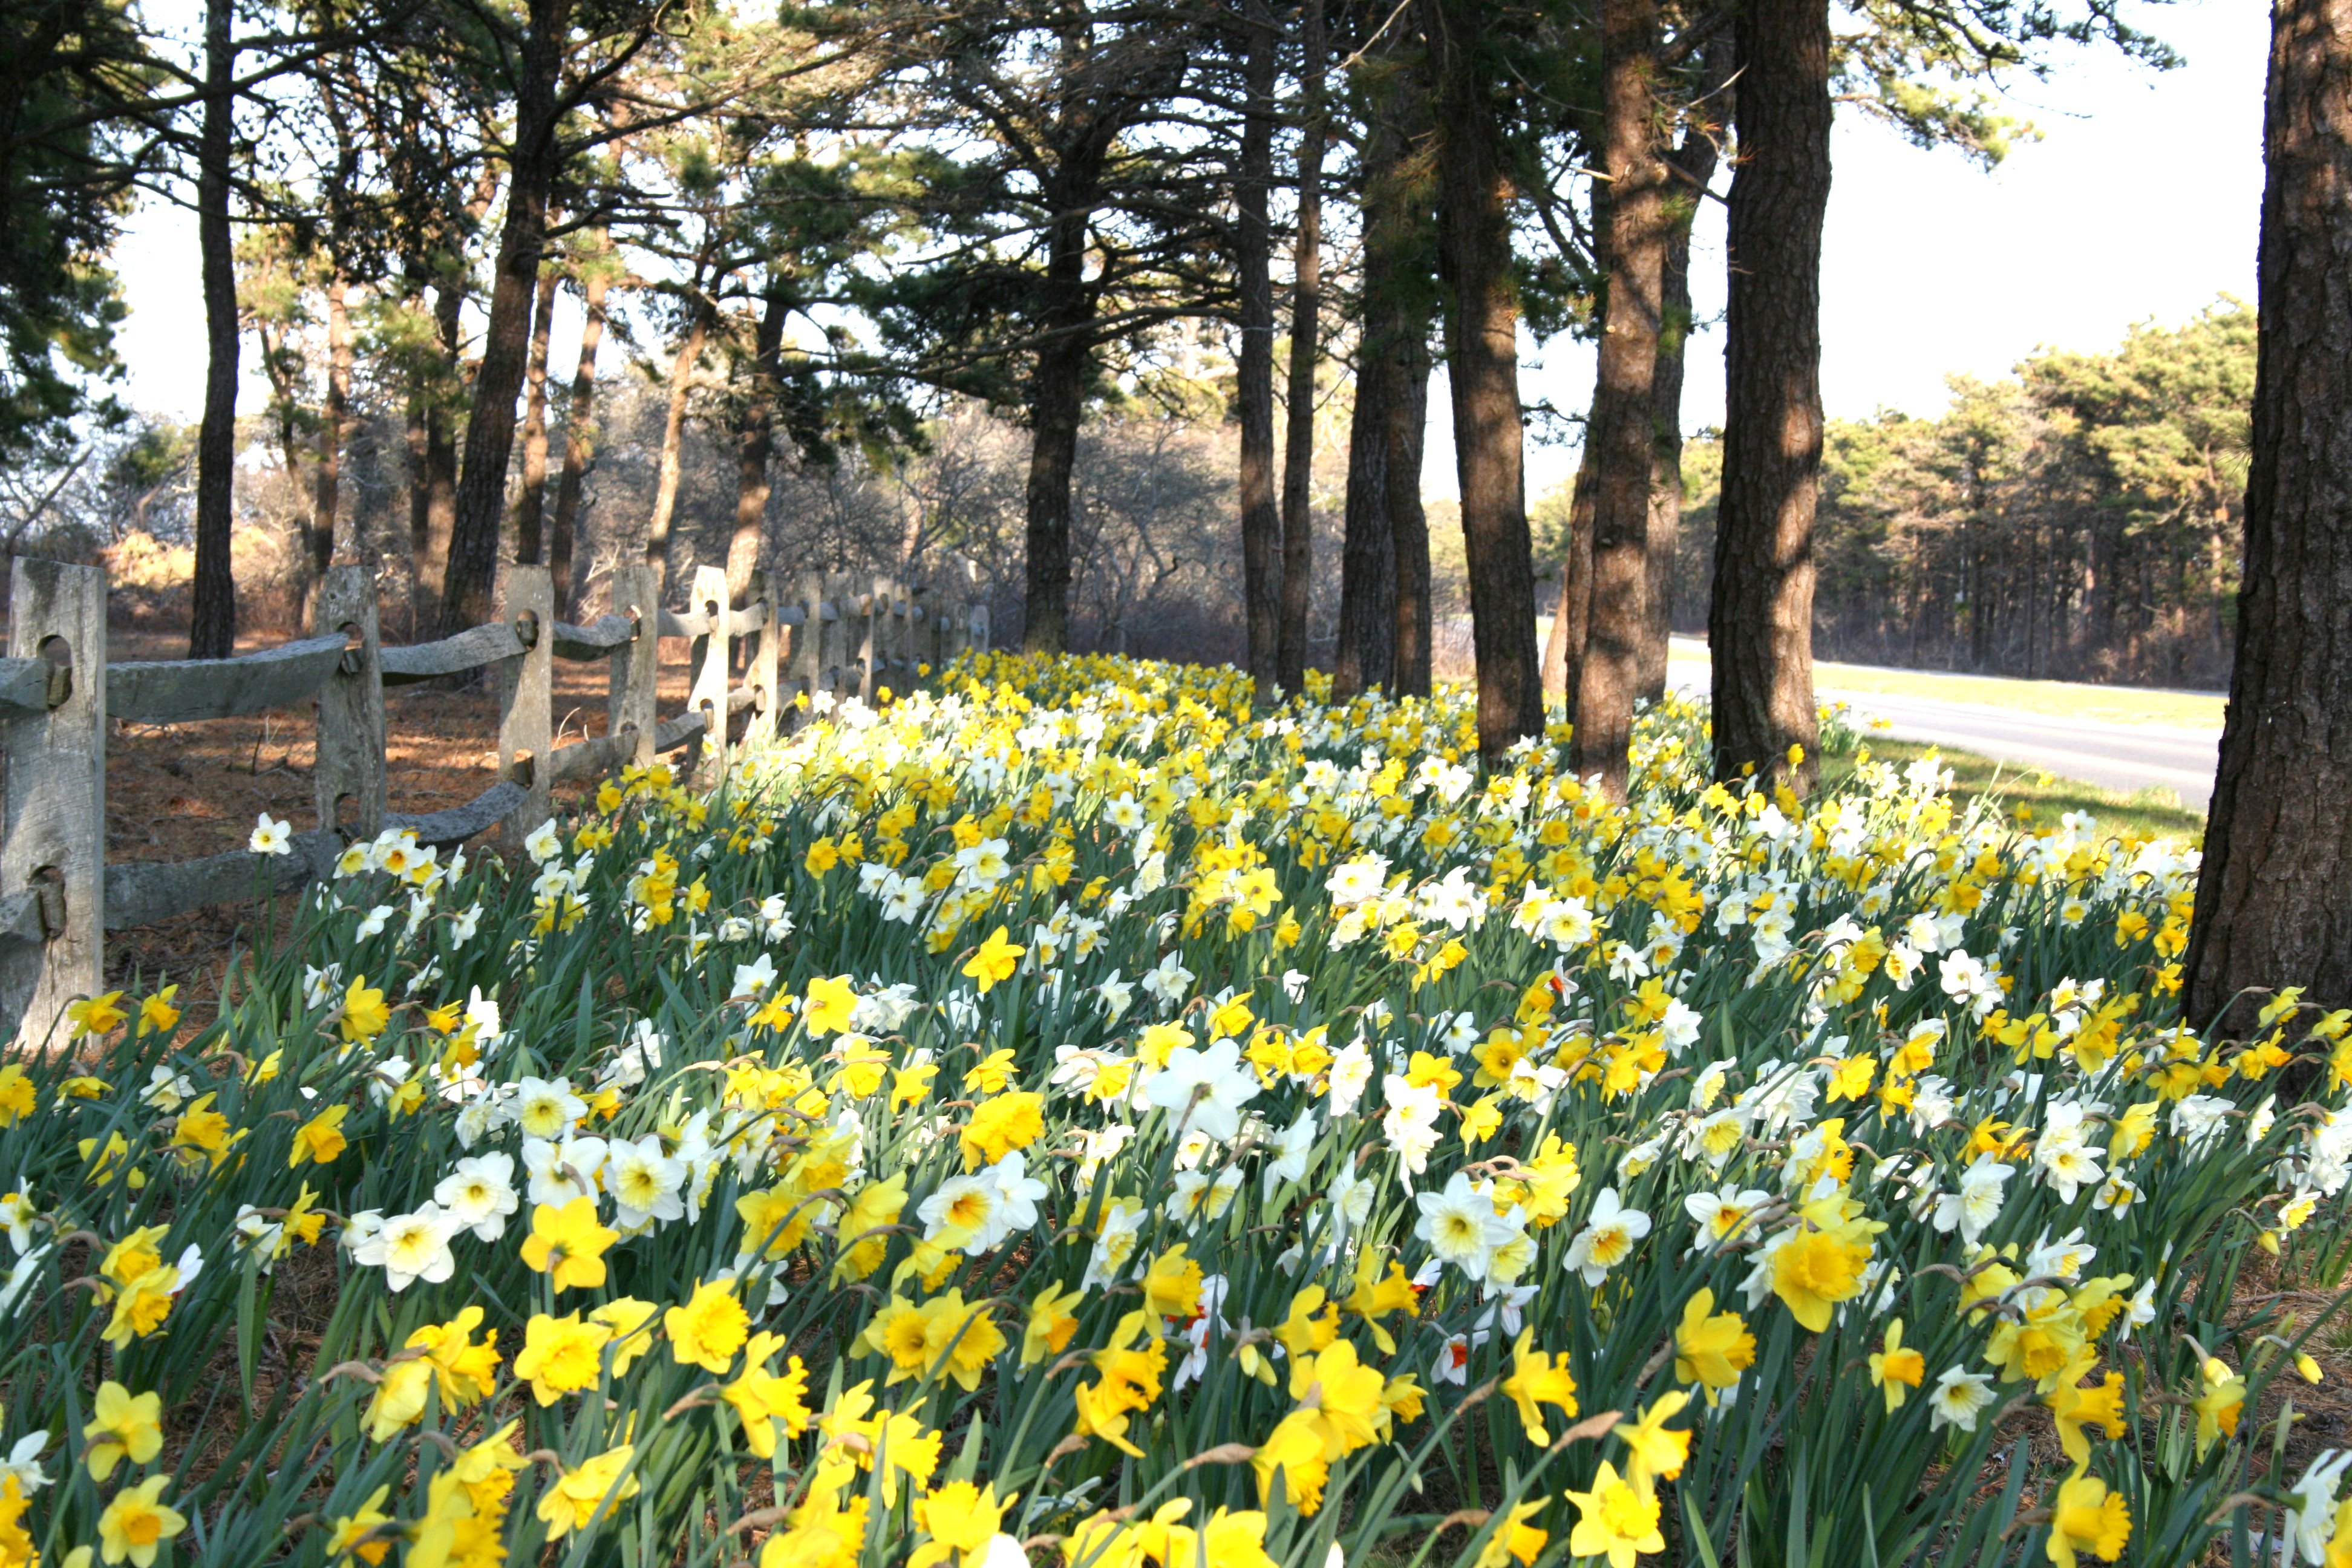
(761,670)
(54,856)
(348,779)
(526,695)
(707,696)
(636,666)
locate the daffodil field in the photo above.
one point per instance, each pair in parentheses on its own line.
(1071,1117)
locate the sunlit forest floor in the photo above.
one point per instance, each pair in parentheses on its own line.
(2058,699)
(2150,813)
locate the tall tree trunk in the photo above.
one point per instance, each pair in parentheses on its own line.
(1979,592)
(1306,327)
(441,447)
(363,540)
(2274,895)
(281,367)
(579,440)
(505,340)
(420,483)
(1696,158)
(1482,351)
(681,380)
(1058,392)
(1056,397)
(1761,619)
(1367,569)
(1563,670)
(756,443)
(1366,654)
(212,629)
(334,428)
(1254,395)
(1384,619)
(1622,438)
(1408,524)
(530,503)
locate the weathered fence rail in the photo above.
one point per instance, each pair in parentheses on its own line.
(819,633)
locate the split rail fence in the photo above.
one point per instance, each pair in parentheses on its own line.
(57,895)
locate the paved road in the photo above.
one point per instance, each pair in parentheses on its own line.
(2115,757)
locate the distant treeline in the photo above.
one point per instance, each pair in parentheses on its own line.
(2079,520)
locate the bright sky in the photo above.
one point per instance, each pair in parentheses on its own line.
(2140,203)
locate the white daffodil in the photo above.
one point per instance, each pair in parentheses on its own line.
(1460,1227)
(1723,1213)
(479,1194)
(1978,1203)
(547,1109)
(1959,1397)
(1204,1089)
(411,1247)
(645,1181)
(1607,1238)
(2311,1520)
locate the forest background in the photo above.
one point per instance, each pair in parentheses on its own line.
(2075,517)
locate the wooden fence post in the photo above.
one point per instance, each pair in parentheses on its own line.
(873,615)
(902,637)
(834,639)
(707,696)
(922,631)
(350,765)
(55,850)
(761,669)
(526,697)
(808,642)
(637,667)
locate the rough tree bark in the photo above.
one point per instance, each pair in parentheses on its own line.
(2275,896)
(1383,636)
(579,442)
(212,630)
(1365,656)
(334,427)
(1620,435)
(1482,317)
(1261,519)
(506,339)
(755,444)
(1696,158)
(1057,393)
(1564,669)
(1057,390)
(1305,323)
(441,448)
(682,367)
(530,501)
(419,433)
(1760,618)
(1408,524)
